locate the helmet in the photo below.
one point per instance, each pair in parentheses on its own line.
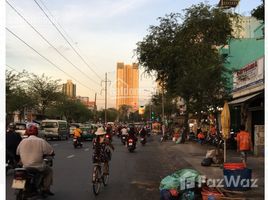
(32,130)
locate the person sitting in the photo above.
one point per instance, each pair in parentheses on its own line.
(77,133)
(102,146)
(132,134)
(32,151)
(201,137)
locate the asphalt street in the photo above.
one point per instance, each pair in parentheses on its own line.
(133,176)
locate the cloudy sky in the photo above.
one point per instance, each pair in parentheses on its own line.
(103,32)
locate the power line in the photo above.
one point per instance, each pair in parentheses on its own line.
(48,41)
(12,68)
(66,40)
(16,36)
(67,35)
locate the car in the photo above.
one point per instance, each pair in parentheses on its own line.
(20,127)
(53,128)
(88,133)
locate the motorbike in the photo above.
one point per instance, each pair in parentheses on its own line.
(108,137)
(123,139)
(143,141)
(131,145)
(77,142)
(28,182)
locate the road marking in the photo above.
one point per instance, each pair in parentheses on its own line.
(70,156)
(87,149)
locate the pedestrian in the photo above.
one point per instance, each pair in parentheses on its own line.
(244,144)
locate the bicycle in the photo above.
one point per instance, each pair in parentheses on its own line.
(98,177)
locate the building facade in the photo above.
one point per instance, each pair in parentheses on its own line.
(89,104)
(127,85)
(245,57)
(69,89)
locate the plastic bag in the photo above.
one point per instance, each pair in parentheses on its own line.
(169,182)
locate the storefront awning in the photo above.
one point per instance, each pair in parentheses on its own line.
(243,99)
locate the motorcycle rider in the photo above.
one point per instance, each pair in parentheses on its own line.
(143,132)
(102,147)
(132,134)
(12,141)
(77,134)
(32,151)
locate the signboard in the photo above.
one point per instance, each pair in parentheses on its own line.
(228,3)
(251,74)
(141,110)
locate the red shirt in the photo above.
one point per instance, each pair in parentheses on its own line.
(243,140)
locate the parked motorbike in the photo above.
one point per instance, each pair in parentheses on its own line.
(28,182)
(123,139)
(143,140)
(77,142)
(131,145)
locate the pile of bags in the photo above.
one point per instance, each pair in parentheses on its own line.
(180,185)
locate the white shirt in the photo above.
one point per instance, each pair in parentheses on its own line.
(31,151)
(124,131)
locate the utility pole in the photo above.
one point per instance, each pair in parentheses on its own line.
(105,108)
(163,106)
(105,114)
(95,108)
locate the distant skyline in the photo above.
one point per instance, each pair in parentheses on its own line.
(103,32)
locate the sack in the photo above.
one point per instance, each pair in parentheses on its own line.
(211,153)
(206,162)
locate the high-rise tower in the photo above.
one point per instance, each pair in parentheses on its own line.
(69,89)
(127,85)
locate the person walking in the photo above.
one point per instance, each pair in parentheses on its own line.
(244,144)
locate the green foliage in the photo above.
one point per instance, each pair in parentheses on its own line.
(44,91)
(184,55)
(42,94)
(259,12)
(124,111)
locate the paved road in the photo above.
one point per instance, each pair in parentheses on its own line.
(132,175)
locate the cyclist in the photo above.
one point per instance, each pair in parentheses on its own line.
(102,146)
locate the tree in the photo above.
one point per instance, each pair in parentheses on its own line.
(185,57)
(44,91)
(70,109)
(259,12)
(124,111)
(17,98)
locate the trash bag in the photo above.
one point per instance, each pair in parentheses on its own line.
(169,182)
(180,179)
(206,162)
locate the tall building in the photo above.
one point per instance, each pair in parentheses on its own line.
(69,89)
(85,100)
(127,85)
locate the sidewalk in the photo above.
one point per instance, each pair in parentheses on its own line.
(194,154)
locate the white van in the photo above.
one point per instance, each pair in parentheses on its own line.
(53,128)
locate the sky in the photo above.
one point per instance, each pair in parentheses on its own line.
(103,32)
